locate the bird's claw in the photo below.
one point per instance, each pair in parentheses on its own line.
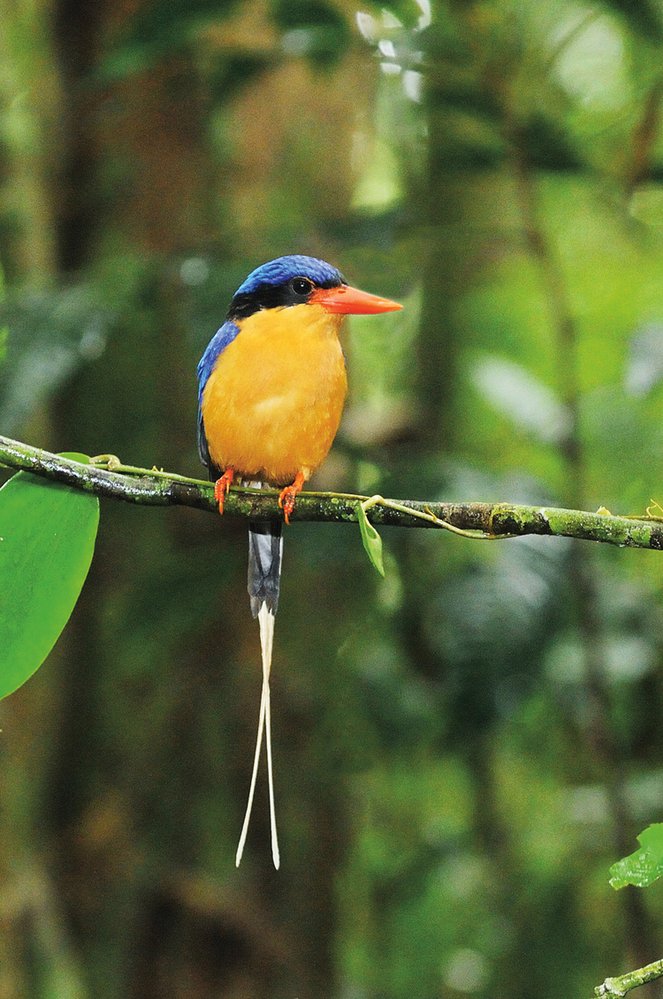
(222,487)
(287,502)
(288,496)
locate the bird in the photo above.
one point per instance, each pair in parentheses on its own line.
(272,385)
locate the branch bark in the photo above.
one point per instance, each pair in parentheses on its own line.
(623,984)
(153,487)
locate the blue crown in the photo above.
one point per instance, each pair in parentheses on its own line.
(283,269)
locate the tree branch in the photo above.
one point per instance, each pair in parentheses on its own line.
(107,476)
(623,984)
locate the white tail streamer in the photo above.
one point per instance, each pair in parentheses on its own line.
(266,622)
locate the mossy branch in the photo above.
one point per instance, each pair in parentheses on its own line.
(107,476)
(623,984)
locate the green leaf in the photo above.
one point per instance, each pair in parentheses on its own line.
(370,539)
(47,535)
(645,865)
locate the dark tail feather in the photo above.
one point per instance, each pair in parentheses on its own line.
(265,551)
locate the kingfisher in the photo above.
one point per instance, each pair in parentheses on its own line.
(271,388)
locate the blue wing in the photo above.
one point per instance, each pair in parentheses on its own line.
(215,347)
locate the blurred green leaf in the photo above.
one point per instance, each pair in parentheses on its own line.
(644,368)
(51,334)
(316,30)
(546,144)
(642,16)
(4,332)
(160,28)
(644,866)
(471,98)
(47,536)
(516,393)
(237,70)
(404,13)
(371,540)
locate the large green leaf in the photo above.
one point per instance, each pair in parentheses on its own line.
(47,535)
(645,865)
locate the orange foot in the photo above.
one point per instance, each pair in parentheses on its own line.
(288,496)
(222,486)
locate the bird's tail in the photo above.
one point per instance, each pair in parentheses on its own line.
(265,551)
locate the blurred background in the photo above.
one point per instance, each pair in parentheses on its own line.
(463,748)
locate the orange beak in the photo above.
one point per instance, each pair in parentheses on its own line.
(345,300)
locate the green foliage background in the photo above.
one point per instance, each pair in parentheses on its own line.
(464,747)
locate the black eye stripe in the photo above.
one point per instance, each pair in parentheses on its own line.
(294,291)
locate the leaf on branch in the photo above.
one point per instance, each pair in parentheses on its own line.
(47,536)
(371,540)
(644,866)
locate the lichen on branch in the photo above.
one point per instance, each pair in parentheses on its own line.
(107,476)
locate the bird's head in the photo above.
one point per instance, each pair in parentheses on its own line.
(300,280)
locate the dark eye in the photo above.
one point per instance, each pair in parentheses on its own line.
(301,286)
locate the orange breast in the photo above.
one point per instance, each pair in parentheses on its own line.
(273,403)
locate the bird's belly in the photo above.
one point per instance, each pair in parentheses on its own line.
(273,403)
